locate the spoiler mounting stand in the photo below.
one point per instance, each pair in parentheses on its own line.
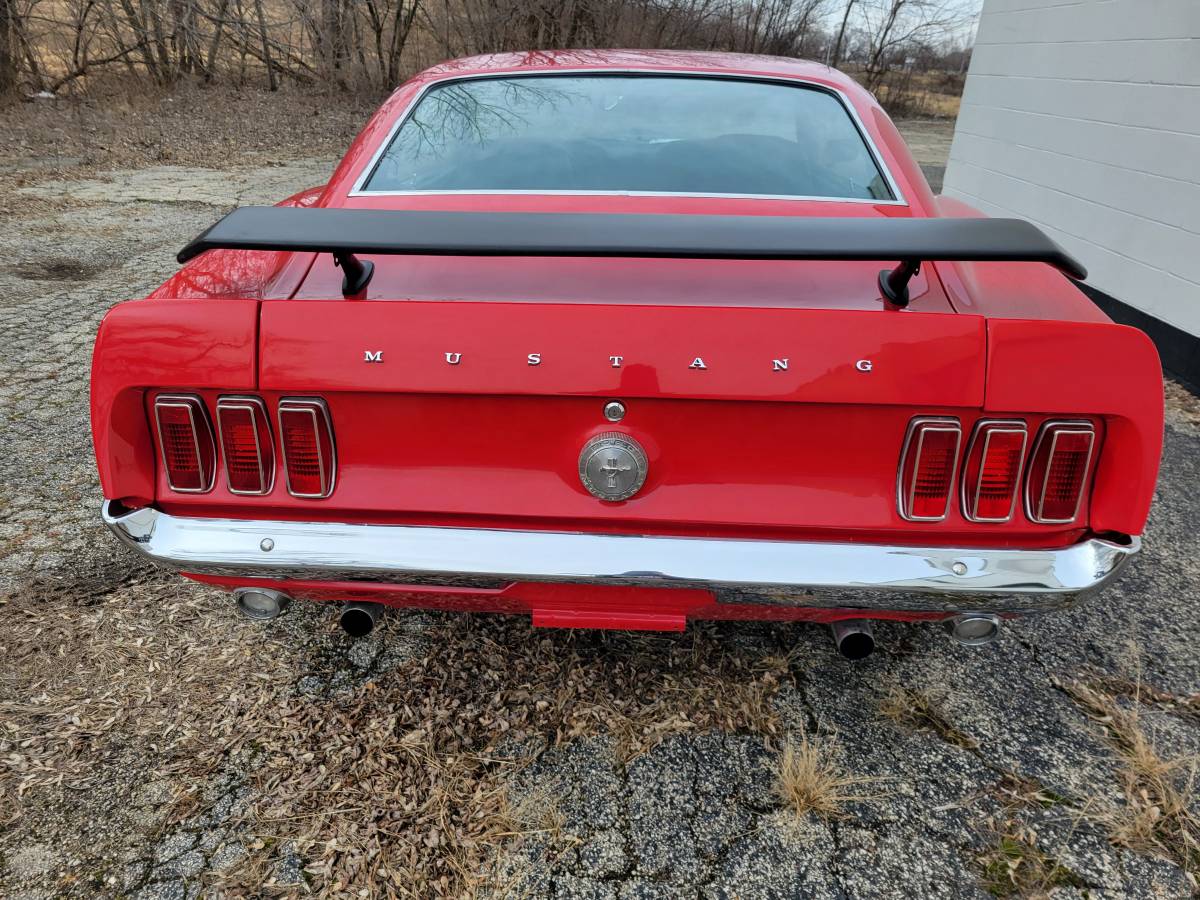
(893,283)
(356,273)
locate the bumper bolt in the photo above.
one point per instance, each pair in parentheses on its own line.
(959,568)
(266,545)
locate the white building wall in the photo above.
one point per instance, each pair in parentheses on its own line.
(1084,117)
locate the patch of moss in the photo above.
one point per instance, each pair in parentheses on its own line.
(1016,868)
(917,711)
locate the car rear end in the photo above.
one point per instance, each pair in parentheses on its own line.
(922,448)
(462,431)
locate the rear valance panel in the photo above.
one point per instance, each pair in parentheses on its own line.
(796,355)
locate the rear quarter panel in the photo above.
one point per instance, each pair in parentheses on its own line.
(165,344)
(1069,368)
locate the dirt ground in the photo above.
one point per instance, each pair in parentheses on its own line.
(154,744)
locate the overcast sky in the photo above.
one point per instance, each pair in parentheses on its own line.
(969,9)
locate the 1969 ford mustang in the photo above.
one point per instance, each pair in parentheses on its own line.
(622,339)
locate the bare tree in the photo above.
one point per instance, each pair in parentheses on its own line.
(8,50)
(836,56)
(266,47)
(215,45)
(893,29)
(373,44)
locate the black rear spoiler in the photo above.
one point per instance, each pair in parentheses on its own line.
(346,232)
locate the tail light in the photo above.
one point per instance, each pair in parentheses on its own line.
(189,453)
(927,466)
(246,445)
(306,436)
(992,473)
(1058,472)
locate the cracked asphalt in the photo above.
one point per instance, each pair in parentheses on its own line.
(695,814)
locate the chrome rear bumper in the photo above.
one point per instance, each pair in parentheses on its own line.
(844,575)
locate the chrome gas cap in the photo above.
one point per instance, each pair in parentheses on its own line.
(612,466)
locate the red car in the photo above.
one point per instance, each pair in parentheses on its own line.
(622,339)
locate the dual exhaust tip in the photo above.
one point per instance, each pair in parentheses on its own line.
(260,604)
(855,638)
(357,619)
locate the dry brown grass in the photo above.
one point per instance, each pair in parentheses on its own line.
(83,680)
(932,94)
(125,125)
(104,691)
(1158,815)
(811,779)
(404,781)
(916,710)
(1182,405)
(921,103)
(396,783)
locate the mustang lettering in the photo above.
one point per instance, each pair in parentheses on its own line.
(621,305)
(535,359)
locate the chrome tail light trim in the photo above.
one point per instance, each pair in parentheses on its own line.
(319,410)
(198,416)
(904,499)
(1058,427)
(258,412)
(992,426)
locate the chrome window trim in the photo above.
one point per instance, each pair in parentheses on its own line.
(312,406)
(359,190)
(1063,426)
(266,477)
(190,402)
(548,193)
(993,426)
(904,504)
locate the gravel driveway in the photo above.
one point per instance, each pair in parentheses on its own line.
(154,745)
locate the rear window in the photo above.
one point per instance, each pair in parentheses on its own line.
(630,134)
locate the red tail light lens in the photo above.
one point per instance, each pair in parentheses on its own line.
(927,466)
(1058,472)
(246,445)
(306,436)
(993,471)
(188,452)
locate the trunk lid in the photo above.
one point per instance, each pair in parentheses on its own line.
(766,394)
(664,282)
(478,411)
(792,355)
(774,284)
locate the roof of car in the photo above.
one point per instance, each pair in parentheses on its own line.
(687,60)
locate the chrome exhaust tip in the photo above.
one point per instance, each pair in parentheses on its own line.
(973,629)
(260,603)
(359,619)
(853,637)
